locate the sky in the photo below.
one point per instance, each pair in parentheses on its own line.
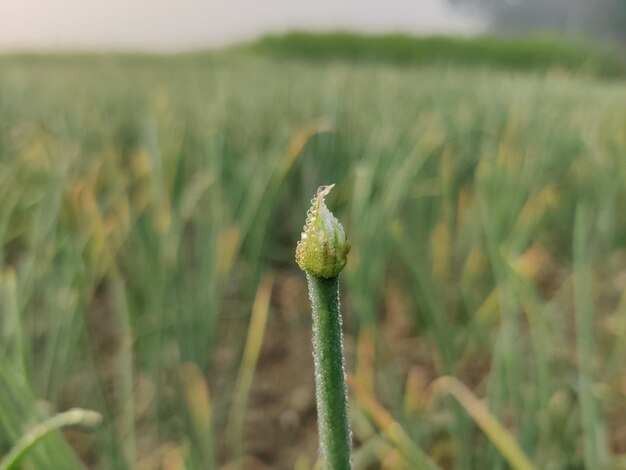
(170,25)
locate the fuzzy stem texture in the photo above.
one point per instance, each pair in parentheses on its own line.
(330,376)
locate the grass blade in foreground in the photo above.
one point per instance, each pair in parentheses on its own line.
(486,421)
(322,253)
(391,429)
(75,416)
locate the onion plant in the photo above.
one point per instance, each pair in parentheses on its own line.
(321,253)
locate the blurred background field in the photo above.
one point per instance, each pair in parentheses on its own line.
(149,210)
(538,53)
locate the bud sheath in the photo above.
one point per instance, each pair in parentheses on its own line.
(323,247)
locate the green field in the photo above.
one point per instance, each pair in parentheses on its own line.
(150,205)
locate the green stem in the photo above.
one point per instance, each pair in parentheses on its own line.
(330,376)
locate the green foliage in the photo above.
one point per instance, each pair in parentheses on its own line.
(32,438)
(542,53)
(141,199)
(19,413)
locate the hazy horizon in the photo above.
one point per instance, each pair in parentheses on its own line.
(161,25)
